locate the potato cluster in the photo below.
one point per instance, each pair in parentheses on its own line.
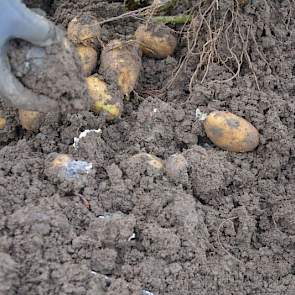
(119,64)
(119,61)
(111,70)
(116,74)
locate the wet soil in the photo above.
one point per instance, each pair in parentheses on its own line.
(194,220)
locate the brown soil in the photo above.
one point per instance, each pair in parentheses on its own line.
(54,71)
(210,222)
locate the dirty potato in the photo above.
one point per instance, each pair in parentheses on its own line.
(142,164)
(230,132)
(84,30)
(176,168)
(88,57)
(62,167)
(104,99)
(156,40)
(30,120)
(121,62)
(2,122)
(150,160)
(61,160)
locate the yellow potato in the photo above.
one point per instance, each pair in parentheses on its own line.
(88,57)
(2,122)
(121,62)
(156,40)
(230,132)
(61,160)
(150,160)
(84,30)
(104,99)
(30,120)
(154,161)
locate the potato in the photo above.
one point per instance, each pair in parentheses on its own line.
(88,57)
(104,99)
(121,62)
(151,160)
(2,122)
(230,132)
(142,163)
(176,168)
(84,30)
(64,165)
(154,161)
(61,160)
(156,40)
(30,120)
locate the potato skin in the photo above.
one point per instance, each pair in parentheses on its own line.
(84,30)
(104,99)
(61,160)
(156,40)
(230,132)
(2,122)
(121,62)
(88,57)
(30,120)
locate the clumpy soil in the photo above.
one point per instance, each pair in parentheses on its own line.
(194,220)
(54,71)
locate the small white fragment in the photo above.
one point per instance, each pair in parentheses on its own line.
(155,110)
(132,237)
(200,116)
(82,135)
(145,292)
(107,216)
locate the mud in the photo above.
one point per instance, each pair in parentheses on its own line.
(54,71)
(206,221)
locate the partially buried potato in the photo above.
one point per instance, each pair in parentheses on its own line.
(84,30)
(105,99)
(63,166)
(156,40)
(88,57)
(121,62)
(230,132)
(61,160)
(2,122)
(142,163)
(30,120)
